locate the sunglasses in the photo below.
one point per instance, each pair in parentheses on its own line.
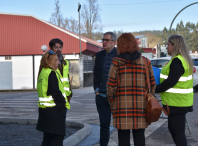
(50,53)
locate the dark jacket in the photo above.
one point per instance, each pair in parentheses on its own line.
(52,119)
(100,56)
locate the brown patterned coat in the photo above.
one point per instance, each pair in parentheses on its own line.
(126,88)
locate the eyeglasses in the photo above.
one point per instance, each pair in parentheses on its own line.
(50,53)
(106,40)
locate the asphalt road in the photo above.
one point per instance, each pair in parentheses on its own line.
(83,109)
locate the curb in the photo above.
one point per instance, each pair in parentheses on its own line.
(79,135)
(71,140)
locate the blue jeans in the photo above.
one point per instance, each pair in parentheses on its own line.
(66,111)
(104,112)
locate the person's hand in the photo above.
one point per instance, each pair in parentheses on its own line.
(97,93)
(71,80)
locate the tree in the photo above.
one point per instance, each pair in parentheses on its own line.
(70,24)
(90,18)
(57,17)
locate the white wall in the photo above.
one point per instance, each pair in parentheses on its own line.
(2,58)
(22,70)
(37,60)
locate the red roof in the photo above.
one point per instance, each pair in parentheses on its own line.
(149,50)
(25,34)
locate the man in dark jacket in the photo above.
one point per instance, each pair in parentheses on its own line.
(101,71)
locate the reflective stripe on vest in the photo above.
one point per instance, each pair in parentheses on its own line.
(47,99)
(64,79)
(173,90)
(65,88)
(47,104)
(180,79)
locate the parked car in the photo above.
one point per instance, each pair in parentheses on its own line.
(162,61)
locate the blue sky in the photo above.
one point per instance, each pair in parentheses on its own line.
(126,15)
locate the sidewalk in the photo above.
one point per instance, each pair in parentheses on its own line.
(159,139)
(157,133)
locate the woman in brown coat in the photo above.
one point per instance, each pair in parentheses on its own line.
(126,88)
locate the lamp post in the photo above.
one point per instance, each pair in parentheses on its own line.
(80,57)
(79,6)
(178,14)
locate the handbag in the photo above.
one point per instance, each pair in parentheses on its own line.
(153,108)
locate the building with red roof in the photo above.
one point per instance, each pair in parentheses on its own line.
(21,39)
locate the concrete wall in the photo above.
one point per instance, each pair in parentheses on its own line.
(74,71)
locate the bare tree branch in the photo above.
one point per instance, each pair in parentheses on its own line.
(56,17)
(90,18)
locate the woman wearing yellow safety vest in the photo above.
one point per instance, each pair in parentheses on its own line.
(176,87)
(52,102)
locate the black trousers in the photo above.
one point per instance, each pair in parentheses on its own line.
(104,112)
(52,140)
(138,137)
(176,126)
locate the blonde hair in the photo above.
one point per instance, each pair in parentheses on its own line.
(47,57)
(44,61)
(180,48)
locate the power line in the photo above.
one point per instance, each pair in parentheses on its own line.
(139,3)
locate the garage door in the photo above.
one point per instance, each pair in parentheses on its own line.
(6,75)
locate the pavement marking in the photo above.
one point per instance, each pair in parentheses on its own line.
(3,102)
(16,99)
(85,99)
(14,106)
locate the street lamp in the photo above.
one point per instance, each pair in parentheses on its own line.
(79,6)
(44,48)
(178,14)
(80,57)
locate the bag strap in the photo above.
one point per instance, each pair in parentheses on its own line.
(168,111)
(147,75)
(149,87)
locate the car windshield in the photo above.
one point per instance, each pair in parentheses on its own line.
(159,63)
(153,62)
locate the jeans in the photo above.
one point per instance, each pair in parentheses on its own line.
(104,112)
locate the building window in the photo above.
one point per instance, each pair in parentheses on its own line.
(8,57)
(88,65)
